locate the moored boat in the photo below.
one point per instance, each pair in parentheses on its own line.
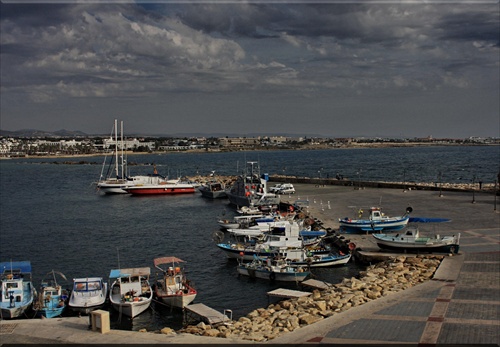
(250,189)
(88,294)
(161,188)
(17,290)
(377,221)
(130,293)
(273,269)
(411,240)
(173,288)
(52,298)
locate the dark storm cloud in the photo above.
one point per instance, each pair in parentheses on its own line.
(280,59)
(478,26)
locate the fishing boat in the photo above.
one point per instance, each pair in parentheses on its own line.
(52,298)
(250,189)
(289,238)
(412,241)
(307,258)
(88,294)
(18,292)
(213,189)
(173,288)
(377,221)
(130,293)
(273,269)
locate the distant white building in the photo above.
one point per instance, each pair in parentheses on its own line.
(127,144)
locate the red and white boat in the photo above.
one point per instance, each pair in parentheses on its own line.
(167,187)
(173,288)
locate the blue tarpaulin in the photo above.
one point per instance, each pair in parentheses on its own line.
(428,220)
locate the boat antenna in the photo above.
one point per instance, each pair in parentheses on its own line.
(118,252)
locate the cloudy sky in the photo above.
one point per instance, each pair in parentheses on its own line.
(328,68)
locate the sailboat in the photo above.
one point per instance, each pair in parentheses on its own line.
(116,180)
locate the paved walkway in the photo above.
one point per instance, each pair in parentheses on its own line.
(461,305)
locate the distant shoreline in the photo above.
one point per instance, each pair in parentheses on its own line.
(224,150)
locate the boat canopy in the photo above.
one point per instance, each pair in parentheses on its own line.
(167,260)
(140,271)
(15,267)
(428,220)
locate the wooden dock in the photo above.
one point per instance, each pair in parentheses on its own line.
(316,284)
(201,312)
(287,293)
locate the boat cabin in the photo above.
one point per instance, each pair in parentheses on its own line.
(376,214)
(14,286)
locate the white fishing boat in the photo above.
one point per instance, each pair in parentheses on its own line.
(17,288)
(173,288)
(289,238)
(307,258)
(130,293)
(88,294)
(273,269)
(410,240)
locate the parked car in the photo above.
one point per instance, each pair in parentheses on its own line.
(275,188)
(286,188)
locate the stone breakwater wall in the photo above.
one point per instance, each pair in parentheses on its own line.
(378,280)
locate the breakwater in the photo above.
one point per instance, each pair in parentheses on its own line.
(381,279)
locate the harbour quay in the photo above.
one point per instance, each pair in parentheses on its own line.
(458,304)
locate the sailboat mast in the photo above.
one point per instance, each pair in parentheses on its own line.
(116,148)
(121,134)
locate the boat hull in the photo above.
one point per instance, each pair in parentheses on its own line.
(179,301)
(206,192)
(295,276)
(160,190)
(250,254)
(133,308)
(444,245)
(364,226)
(324,261)
(437,249)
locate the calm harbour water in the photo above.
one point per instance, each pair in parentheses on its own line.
(51,215)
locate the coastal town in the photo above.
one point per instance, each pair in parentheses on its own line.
(23,144)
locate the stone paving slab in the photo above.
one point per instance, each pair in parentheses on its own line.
(468,334)
(380,330)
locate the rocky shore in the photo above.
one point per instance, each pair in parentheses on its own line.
(381,279)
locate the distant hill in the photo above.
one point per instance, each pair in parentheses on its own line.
(77,133)
(42,133)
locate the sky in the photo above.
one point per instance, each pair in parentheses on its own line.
(316,68)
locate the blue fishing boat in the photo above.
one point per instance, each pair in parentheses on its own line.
(52,299)
(377,221)
(17,288)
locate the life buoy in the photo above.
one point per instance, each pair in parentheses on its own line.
(272,276)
